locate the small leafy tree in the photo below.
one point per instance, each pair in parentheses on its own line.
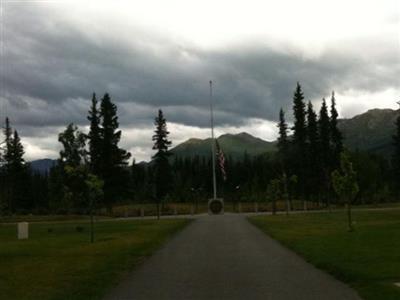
(345,184)
(73,141)
(85,186)
(94,192)
(71,164)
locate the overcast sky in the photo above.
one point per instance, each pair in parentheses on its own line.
(162,54)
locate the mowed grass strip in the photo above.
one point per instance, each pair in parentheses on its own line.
(368,259)
(63,264)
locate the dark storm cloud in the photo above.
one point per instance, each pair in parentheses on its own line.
(50,68)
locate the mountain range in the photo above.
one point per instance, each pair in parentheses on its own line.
(233,145)
(42,165)
(371,131)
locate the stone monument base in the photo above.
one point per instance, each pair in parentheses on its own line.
(216,206)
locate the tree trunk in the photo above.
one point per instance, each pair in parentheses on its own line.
(274,207)
(349,216)
(91,227)
(158,211)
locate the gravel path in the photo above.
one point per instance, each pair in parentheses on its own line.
(225,257)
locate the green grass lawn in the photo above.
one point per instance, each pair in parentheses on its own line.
(63,264)
(367,259)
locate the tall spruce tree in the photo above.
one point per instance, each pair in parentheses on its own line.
(18,173)
(299,111)
(299,138)
(313,151)
(15,171)
(113,159)
(312,129)
(162,170)
(336,135)
(396,153)
(282,139)
(324,127)
(325,149)
(17,152)
(7,157)
(95,140)
(3,177)
(7,141)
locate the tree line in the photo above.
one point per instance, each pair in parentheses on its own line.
(94,171)
(91,171)
(312,150)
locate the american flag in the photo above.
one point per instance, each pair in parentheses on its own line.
(221,160)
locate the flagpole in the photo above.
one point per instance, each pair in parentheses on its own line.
(213,143)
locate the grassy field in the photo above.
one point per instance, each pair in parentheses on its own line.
(367,259)
(58,262)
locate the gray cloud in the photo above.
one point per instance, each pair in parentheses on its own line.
(50,67)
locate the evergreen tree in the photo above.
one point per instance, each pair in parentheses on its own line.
(162,170)
(113,159)
(282,139)
(7,142)
(299,111)
(324,132)
(39,192)
(396,153)
(15,172)
(299,138)
(336,135)
(18,175)
(17,151)
(312,130)
(312,153)
(6,191)
(95,141)
(325,149)
(56,190)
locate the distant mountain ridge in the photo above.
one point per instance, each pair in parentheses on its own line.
(371,131)
(233,145)
(42,166)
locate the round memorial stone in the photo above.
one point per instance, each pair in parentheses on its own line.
(216,206)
